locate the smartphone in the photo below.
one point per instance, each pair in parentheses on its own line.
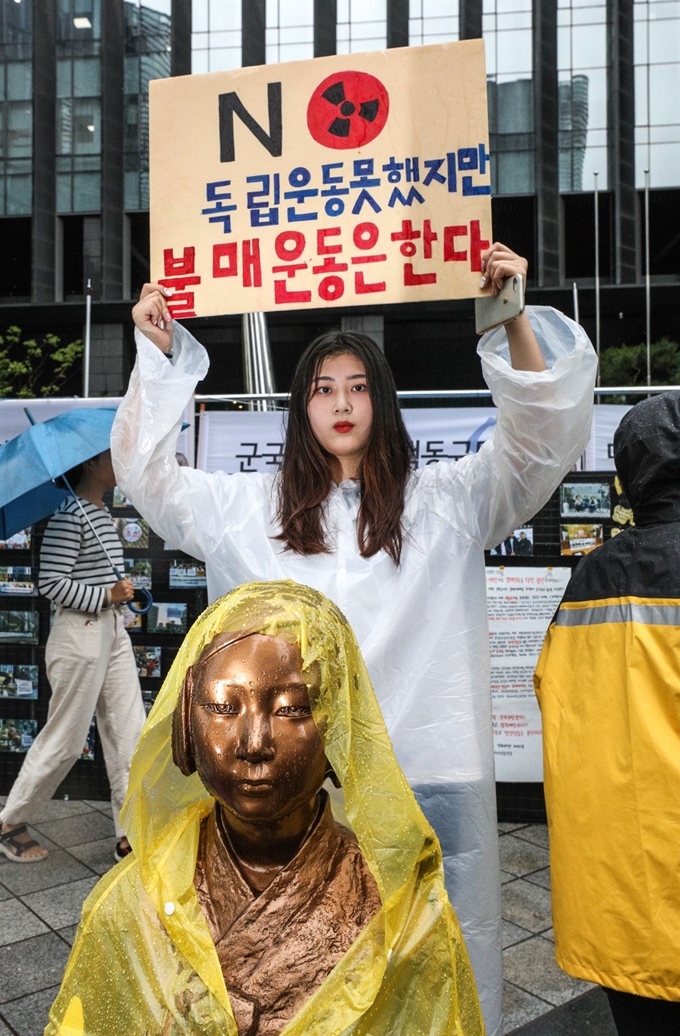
(492,311)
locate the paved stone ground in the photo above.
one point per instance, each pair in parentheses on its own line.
(539,998)
(40,906)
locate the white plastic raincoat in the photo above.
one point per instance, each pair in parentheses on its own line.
(422,627)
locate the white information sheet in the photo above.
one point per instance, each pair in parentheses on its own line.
(521,602)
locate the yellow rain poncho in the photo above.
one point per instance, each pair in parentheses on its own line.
(144,963)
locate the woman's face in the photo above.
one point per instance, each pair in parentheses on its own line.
(101,467)
(255,743)
(340,411)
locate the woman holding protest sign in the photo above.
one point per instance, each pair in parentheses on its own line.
(400,551)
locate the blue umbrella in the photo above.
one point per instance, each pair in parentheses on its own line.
(30,462)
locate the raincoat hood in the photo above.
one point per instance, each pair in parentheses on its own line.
(647,458)
(144,961)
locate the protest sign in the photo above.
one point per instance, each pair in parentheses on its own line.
(347,180)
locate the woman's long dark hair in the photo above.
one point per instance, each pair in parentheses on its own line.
(306,480)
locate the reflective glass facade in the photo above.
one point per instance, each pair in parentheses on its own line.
(79,109)
(215,35)
(657,92)
(558,112)
(432,21)
(290,30)
(16,108)
(506,27)
(148,53)
(361,25)
(582,70)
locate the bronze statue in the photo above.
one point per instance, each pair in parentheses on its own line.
(244,723)
(246,908)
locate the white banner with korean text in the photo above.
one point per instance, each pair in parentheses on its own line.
(252,441)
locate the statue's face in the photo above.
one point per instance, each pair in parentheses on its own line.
(255,744)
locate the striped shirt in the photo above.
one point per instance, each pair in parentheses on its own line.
(74,571)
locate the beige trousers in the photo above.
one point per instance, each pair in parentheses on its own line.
(92,671)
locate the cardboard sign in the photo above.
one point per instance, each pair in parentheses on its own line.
(342,181)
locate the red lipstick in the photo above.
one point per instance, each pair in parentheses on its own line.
(343,426)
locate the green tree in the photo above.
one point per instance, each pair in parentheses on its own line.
(627,365)
(30,367)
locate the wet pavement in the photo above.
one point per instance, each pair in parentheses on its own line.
(40,907)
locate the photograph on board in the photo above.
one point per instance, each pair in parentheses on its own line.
(18,627)
(187,573)
(18,579)
(148,698)
(18,681)
(148,660)
(585,499)
(120,499)
(139,571)
(19,541)
(167,618)
(17,735)
(520,544)
(580,539)
(134,532)
(131,620)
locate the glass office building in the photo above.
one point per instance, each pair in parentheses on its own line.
(582,95)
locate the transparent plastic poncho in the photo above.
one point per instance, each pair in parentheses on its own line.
(144,962)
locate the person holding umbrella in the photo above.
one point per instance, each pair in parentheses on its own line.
(89,659)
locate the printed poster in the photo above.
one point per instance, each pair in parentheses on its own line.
(349,180)
(521,603)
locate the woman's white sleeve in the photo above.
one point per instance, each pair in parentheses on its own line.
(543,425)
(173,499)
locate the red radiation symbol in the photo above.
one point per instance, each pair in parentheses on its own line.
(348,110)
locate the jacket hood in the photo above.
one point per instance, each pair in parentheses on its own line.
(647,458)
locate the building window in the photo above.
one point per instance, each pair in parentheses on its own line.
(215,35)
(148,54)
(16,109)
(432,21)
(582,72)
(290,30)
(361,25)
(506,26)
(78,116)
(657,89)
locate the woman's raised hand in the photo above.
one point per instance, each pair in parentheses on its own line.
(152,316)
(498,263)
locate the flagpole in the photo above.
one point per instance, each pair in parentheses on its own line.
(86,350)
(597,277)
(648,285)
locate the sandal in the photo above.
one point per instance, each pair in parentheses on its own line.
(15,850)
(120,853)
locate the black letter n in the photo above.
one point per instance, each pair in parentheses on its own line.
(231,104)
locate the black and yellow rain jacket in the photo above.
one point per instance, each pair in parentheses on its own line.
(608,682)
